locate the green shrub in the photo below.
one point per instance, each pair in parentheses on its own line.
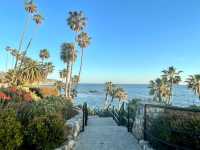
(49,105)
(45,133)
(178,128)
(11,136)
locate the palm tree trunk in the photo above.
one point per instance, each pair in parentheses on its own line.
(70,83)
(67,80)
(22,36)
(119,104)
(110,102)
(29,44)
(81,65)
(106,100)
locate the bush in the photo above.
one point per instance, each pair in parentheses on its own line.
(49,91)
(178,128)
(11,136)
(45,133)
(133,105)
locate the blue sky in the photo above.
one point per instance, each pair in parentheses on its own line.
(132,40)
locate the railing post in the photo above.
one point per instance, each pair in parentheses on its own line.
(83,121)
(128,126)
(86,114)
(145,121)
(113,111)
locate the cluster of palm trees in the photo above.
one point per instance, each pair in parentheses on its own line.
(114,92)
(27,70)
(77,23)
(162,88)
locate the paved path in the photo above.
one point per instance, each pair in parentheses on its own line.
(104,134)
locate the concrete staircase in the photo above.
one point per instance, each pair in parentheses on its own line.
(104,134)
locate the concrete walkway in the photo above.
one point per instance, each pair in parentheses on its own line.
(104,134)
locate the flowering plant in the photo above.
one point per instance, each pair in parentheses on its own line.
(3,96)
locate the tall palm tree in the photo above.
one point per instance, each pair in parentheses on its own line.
(76,21)
(160,90)
(44,54)
(108,89)
(193,83)
(30,8)
(38,21)
(68,56)
(172,77)
(83,41)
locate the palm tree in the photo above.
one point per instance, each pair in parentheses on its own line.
(194,84)
(68,56)
(76,21)
(38,21)
(63,74)
(160,90)
(121,95)
(83,41)
(75,81)
(108,89)
(59,86)
(172,77)
(44,54)
(30,8)
(48,68)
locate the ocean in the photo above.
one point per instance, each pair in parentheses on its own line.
(94,94)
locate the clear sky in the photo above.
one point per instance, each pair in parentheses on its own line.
(132,40)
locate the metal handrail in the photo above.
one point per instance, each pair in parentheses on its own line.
(85,116)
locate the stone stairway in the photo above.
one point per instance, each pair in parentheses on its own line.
(104,134)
